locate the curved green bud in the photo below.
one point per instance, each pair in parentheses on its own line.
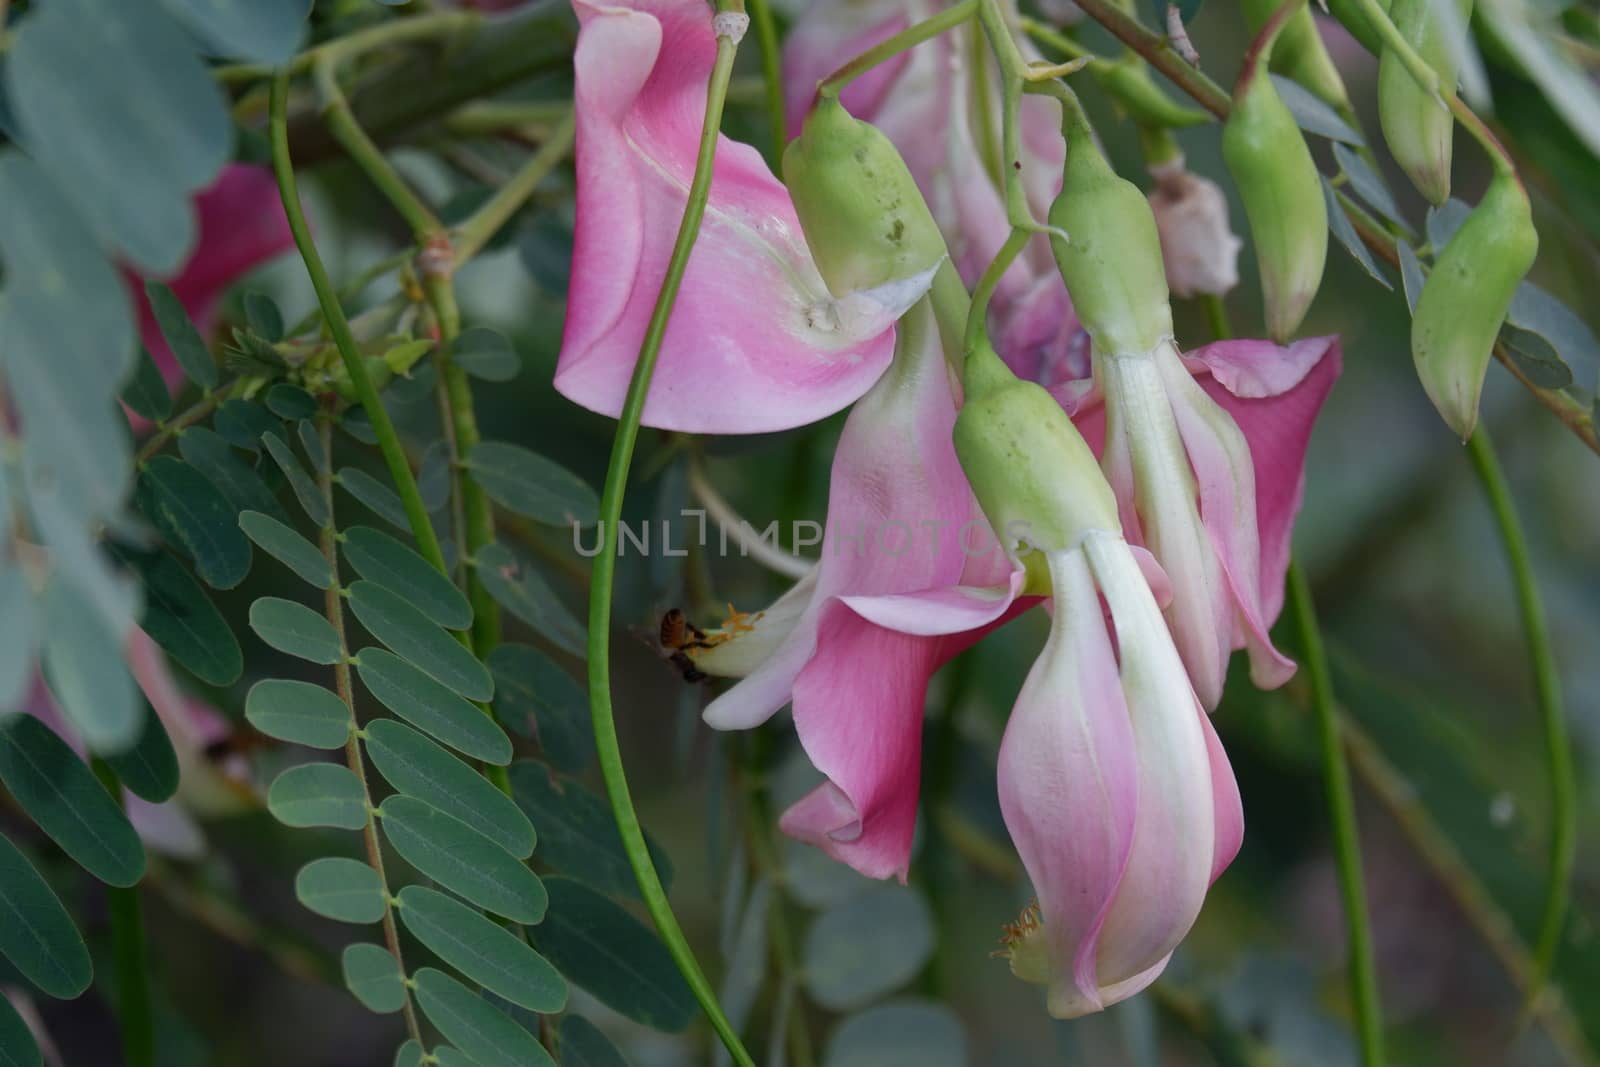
(1350,15)
(1032,472)
(1465,299)
(1417,125)
(1111,255)
(1128,82)
(1282,192)
(864,219)
(1300,54)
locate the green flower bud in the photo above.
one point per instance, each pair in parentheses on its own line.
(1465,299)
(864,219)
(1281,190)
(1417,125)
(1034,475)
(1350,15)
(1300,54)
(1111,255)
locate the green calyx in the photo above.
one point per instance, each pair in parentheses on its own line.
(1281,189)
(864,219)
(1417,126)
(1110,257)
(1032,472)
(1299,54)
(1466,297)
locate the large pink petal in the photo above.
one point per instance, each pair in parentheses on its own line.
(858,710)
(755,342)
(1278,429)
(832,33)
(897,499)
(1069,784)
(1226,805)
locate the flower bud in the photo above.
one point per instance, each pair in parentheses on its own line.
(1300,54)
(1417,125)
(1030,468)
(1198,247)
(1350,15)
(864,220)
(1110,257)
(1281,190)
(1465,299)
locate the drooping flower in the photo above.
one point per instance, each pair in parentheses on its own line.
(1115,791)
(241,226)
(1199,248)
(754,328)
(908,577)
(1211,495)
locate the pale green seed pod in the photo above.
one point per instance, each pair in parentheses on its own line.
(1465,299)
(1282,193)
(1417,125)
(864,219)
(1111,255)
(1300,54)
(1350,15)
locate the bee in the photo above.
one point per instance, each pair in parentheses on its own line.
(678,636)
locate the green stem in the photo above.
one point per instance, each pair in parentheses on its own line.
(903,41)
(1420,70)
(395,31)
(1547,687)
(1217,316)
(1342,815)
(333,611)
(771,74)
(484,223)
(394,455)
(605,565)
(348,132)
(1156,50)
(132,966)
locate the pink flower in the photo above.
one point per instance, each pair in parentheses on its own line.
(242,225)
(1114,788)
(1206,455)
(756,343)
(909,576)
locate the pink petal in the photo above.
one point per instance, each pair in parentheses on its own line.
(1069,784)
(1229,810)
(832,33)
(755,343)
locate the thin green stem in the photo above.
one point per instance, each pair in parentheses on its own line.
(128,950)
(484,223)
(1420,70)
(771,73)
(903,41)
(1342,815)
(394,454)
(333,611)
(1547,688)
(395,31)
(605,565)
(347,131)
(988,281)
(1217,316)
(1158,52)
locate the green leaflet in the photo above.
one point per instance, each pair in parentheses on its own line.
(36,933)
(419,768)
(482,950)
(61,795)
(463,860)
(342,889)
(298,712)
(373,977)
(318,794)
(474,1025)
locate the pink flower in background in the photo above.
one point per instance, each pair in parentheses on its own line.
(756,343)
(242,225)
(1114,788)
(895,594)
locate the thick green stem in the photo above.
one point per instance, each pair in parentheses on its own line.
(394,455)
(605,565)
(1547,688)
(134,1012)
(1342,816)
(348,132)
(771,74)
